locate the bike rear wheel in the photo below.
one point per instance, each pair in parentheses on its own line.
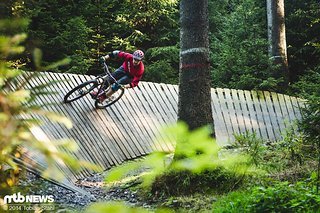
(101,104)
(80,91)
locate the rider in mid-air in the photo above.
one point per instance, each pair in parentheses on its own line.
(128,74)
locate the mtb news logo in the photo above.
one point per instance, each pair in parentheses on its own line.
(17,198)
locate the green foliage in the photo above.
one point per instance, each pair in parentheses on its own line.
(251,145)
(303,42)
(79,64)
(113,207)
(192,203)
(84,30)
(19,132)
(161,72)
(13,26)
(308,84)
(152,19)
(196,166)
(185,182)
(119,207)
(197,151)
(239,48)
(293,147)
(310,122)
(75,37)
(162,65)
(308,88)
(291,158)
(280,197)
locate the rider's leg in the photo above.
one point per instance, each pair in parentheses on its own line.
(117,74)
(124,80)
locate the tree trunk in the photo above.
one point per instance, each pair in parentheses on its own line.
(277,37)
(194,87)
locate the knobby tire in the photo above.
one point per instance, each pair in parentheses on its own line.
(99,105)
(74,91)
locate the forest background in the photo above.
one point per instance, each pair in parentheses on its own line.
(84,30)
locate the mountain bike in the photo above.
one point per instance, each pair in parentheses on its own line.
(103,84)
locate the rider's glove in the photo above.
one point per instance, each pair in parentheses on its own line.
(116,86)
(102,60)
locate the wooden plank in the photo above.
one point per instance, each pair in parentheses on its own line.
(174,91)
(302,104)
(142,119)
(290,109)
(54,126)
(143,100)
(87,125)
(266,117)
(118,120)
(137,127)
(272,114)
(160,137)
(225,111)
(152,103)
(94,116)
(168,112)
(163,113)
(164,102)
(244,106)
(112,136)
(146,123)
(82,122)
(119,139)
(129,124)
(221,130)
(171,95)
(121,119)
(238,111)
(284,110)
(296,107)
(278,112)
(252,113)
(259,113)
(231,111)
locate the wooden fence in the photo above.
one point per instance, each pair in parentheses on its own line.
(132,127)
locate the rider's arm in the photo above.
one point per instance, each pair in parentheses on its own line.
(113,54)
(118,54)
(135,81)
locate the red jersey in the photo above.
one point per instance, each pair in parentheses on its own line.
(135,71)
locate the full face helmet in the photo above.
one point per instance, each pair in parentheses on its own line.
(138,55)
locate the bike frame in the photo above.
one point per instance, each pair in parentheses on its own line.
(105,78)
(101,82)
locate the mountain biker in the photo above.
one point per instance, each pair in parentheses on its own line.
(128,74)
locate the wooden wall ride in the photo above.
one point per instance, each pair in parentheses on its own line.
(131,127)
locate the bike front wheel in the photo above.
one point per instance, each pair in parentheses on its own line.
(103,102)
(80,91)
